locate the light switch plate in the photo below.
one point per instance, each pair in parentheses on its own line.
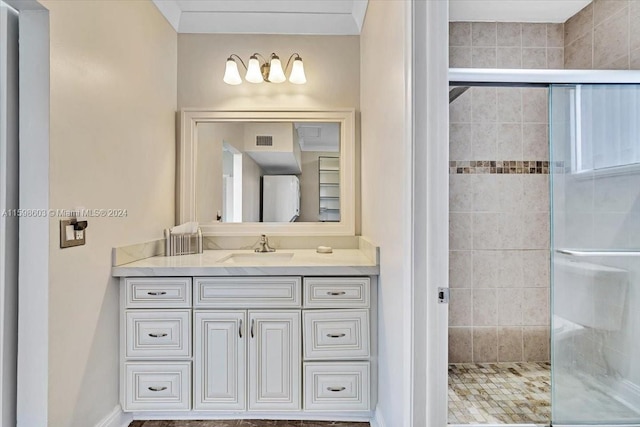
(68,243)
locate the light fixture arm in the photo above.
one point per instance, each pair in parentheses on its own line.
(289,60)
(263,58)
(241,61)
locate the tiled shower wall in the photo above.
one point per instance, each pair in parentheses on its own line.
(499,197)
(604,35)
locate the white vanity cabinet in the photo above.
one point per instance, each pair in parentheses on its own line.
(337,344)
(300,346)
(220,360)
(252,354)
(155,344)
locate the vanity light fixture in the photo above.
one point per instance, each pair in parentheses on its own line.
(269,71)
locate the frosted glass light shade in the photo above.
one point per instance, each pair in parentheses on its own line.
(231,74)
(297,72)
(253,71)
(276,74)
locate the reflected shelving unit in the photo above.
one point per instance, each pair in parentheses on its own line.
(329,182)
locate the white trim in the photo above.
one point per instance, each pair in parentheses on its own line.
(359,12)
(377,420)
(542,77)
(354,416)
(430,212)
(187,159)
(115,418)
(504,425)
(9,161)
(270,17)
(33,305)
(170,10)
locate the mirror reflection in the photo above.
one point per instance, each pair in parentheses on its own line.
(268,172)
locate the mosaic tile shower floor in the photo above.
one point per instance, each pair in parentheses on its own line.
(504,393)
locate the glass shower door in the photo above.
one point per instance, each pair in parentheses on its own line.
(595,254)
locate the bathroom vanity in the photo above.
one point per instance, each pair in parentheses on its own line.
(235,334)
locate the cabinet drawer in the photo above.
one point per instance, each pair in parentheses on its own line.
(158,334)
(152,292)
(336,292)
(336,386)
(157,386)
(336,334)
(247,292)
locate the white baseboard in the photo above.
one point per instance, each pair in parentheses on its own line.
(115,418)
(377,420)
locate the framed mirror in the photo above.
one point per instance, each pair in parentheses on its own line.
(272,172)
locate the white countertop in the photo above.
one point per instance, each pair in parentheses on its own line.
(349,262)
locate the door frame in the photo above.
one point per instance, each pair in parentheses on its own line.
(428,117)
(33,251)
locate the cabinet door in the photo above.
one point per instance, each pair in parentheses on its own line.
(220,360)
(274,360)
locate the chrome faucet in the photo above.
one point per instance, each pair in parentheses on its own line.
(264,245)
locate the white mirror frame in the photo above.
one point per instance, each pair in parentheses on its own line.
(187,161)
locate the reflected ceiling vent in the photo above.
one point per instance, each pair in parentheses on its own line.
(264,141)
(309,131)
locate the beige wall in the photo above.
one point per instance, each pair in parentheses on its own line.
(251,174)
(113,102)
(331,65)
(604,35)
(209,169)
(386,196)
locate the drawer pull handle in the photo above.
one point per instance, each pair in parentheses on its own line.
(240,329)
(163,388)
(156,293)
(336,389)
(336,335)
(162,335)
(336,293)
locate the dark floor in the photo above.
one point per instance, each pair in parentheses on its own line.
(246,423)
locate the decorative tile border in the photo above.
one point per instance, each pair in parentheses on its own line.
(499,167)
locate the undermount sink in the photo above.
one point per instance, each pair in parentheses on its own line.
(257,258)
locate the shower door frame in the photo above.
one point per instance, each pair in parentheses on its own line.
(518,78)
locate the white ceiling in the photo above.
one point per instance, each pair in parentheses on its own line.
(515,10)
(318,136)
(326,17)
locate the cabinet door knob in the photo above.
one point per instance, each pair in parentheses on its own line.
(163,388)
(158,335)
(336,335)
(336,293)
(240,329)
(156,293)
(336,389)
(253,321)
